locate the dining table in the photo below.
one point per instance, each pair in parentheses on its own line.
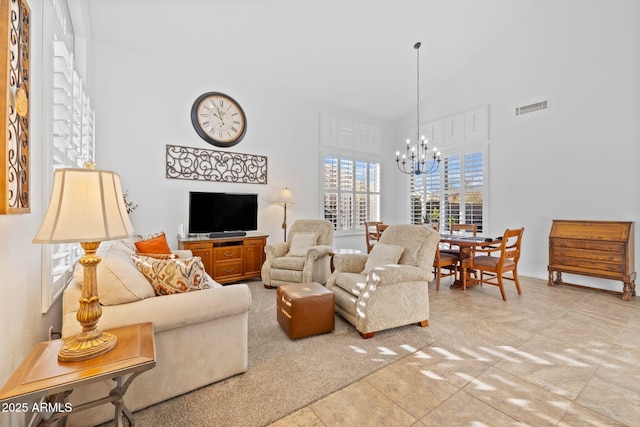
(467,245)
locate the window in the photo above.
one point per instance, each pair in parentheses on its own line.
(351,192)
(455,192)
(70,142)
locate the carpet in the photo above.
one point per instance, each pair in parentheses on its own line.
(285,375)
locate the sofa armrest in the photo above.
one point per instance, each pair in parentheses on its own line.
(392,274)
(170,311)
(317,252)
(276,250)
(350,263)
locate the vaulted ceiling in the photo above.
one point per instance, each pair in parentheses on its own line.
(357,54)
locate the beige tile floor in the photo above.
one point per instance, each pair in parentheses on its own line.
(557,356)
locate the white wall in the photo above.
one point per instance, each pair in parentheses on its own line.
(579,159)
(20,310)
(144,103)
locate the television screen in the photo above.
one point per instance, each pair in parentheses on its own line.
(218,212)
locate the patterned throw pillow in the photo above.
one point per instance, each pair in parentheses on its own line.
(171,276)
(160,256)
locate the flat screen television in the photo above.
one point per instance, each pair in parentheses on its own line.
(222,212)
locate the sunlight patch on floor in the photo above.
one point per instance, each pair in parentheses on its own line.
(474,355)
(524,354)
(431,374)
(446,353)
(358,349)
(568,360)
(499,354)
(481,385)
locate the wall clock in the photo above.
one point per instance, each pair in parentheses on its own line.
(218,119)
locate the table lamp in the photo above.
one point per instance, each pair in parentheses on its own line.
(86,206)
(285,198)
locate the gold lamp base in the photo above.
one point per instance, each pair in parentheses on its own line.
(79,348)
(90,342)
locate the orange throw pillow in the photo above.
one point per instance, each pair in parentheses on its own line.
(155,245)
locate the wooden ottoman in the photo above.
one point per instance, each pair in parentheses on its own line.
(305,309)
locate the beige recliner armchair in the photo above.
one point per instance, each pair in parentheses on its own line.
(304,258)
(388,287)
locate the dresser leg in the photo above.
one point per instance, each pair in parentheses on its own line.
(627,291)
(555,281)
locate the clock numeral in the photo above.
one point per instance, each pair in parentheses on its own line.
(234,129)
(236,122)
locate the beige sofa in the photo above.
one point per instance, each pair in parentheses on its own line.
(200,336)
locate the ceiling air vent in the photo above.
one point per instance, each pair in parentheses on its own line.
(542,105)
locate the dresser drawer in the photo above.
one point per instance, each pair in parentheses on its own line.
(568,253)
(254,242)
(588,245)
(588,264)
(196,246)
(227,253)
(224,270)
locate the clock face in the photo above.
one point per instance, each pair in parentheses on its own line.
(218,119)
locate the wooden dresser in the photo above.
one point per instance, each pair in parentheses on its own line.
(602,249)
(229,259)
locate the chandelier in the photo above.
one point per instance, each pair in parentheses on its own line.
(418,160)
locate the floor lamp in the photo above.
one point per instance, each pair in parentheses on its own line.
(86,206)
(285,198)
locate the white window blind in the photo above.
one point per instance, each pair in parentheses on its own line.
(351,191)
(70,142)
(453,193)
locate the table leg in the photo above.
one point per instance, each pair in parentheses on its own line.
(465,253)
(118,393)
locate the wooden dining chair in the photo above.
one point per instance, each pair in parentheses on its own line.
(444,265)
(508,255)
(371,233)
(380,228)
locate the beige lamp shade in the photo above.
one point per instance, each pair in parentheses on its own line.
(285,197)
(86,206)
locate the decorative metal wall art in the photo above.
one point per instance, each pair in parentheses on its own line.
(14,107)
(211,165)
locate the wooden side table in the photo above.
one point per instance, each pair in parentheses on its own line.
(42,375)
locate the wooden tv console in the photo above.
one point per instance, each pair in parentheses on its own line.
(602,249)
(229,259)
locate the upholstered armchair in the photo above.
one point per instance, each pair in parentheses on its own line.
(304,258)
(388,287)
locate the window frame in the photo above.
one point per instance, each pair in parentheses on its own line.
(371,213)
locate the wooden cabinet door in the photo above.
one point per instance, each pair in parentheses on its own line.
(253,257)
